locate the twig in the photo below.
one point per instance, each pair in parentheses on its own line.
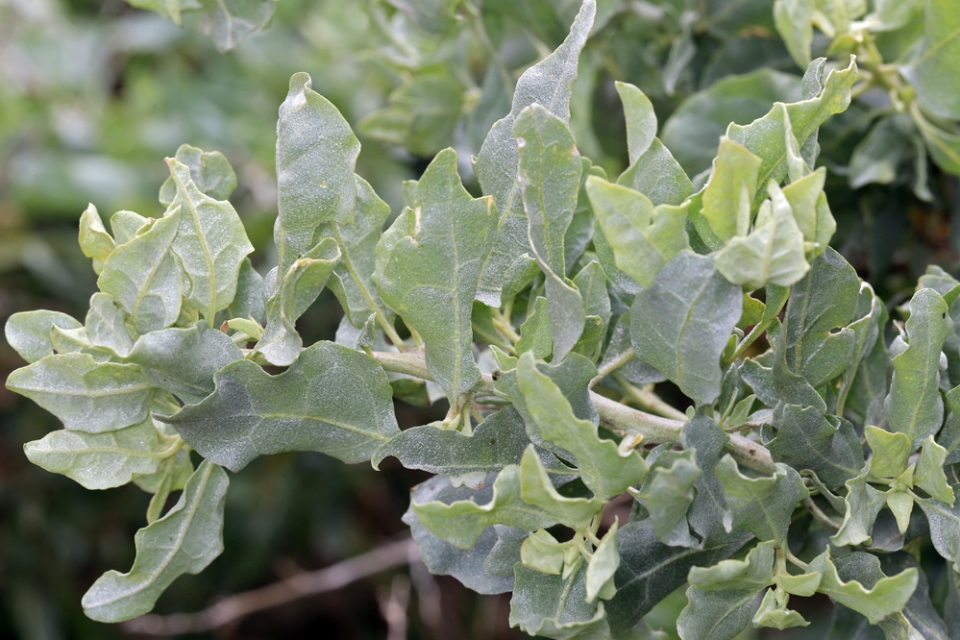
(288,590)
(428,595)
(393,606)
(606,368)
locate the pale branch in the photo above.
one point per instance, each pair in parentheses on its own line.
(654,429)
(234,608)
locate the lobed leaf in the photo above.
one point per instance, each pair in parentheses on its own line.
(28,332)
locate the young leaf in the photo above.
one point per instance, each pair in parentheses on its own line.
(281,344)
(538,491)
(667,492)
(643,239)
(771,254)
(184,361)
(473,567)
(185,540)
(863,504)
(332,399)
(603,468)
(885,597)
(352,281)
(95,242)
(930,476)
(773,612)
(211,243)
(430,277)
(602,567)
(681,324)
(914,406)
(209,170)
(461,523)
(728,196)
(106,326)
(536,335)
(85,394)
(100,460)
(28,332)
(657,175)
(145,276)
(890,452)
(547,83)
(499,441)
(793,19)
(641,119)
(761,505)
(316,154)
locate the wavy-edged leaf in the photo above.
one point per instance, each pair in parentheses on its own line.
(100,460)
(145,276)
(753,572)
(657,175)
(761,505)
(547,83)
(556,606)
(603,566)
(462,522)
(643,238)
(211,244)
(603,468)
(681,324)
(332,399)
(106,325)
(85,394)
(185,540)
(886,596)
(718,615)
(537,490)
(209,170)
(728,195)
(184,361)
(929,475)
(430,277)
(914,406)
(28,332)
(934,68)
(863,504)
(95,242)
(281,344)
(641,119)
(826,445)
(667,493)
(316,155)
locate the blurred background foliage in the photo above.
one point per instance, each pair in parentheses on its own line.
(95,93)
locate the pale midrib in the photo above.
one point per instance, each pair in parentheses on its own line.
(151,274)
(932,50)
(97,394)
(181,535)
(195,219)
(340,425)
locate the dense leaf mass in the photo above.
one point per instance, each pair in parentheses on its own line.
(547,309)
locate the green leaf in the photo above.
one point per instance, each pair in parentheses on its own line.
(249,301)
(85,394)
(641,119)
(752,573)
(291,297)
(761,505)
(316,154)
(944,528)
(930,476)
(211,244)
(473,567)
(28,332)
(100,460)
(603,467)
(95,242)
(642,238)
(228,22)
(185,540)
(106,327)
(706,514)
(657,175)
(555,607)
(667,493)
(824,300)
(728,195)
(933,69)
(603,565)
(591,282)
(944,146)
(126,224)
(352,280)
(547,83)
(771,254)
(184,361)
(914,406)
(826,445)
(793,19)
(461,522)
(694,128)
(718,615)
(887,596)
(499,441)
(209,170)
(542,552)
(919,619)
(650,570)
(681,324)
(430,277)
(890,452)
(863,504)
(773,612)
(145,276)
(332,399)
(538,491)
(766,136)
(879,156)
(536,335)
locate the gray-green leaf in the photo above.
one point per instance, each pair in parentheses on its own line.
(28,332)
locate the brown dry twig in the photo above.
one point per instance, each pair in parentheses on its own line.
(234,608)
